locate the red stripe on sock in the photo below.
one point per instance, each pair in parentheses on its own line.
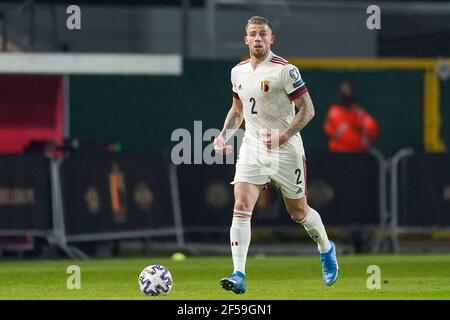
(239,216)
(242,214)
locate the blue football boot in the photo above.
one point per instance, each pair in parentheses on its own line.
(330,268)
(234,282)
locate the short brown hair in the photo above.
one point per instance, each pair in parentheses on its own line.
(258,20)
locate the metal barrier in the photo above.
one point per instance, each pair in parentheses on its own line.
(420,194)
(95,197)
(403,153)
(383,227)
(103,196)
(89,197)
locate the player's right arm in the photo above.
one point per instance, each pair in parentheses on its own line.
(232,123)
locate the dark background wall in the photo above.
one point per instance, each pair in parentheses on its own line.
(142,112)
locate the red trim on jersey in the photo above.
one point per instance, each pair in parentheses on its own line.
(275,56)
(298,93)
(279,58)
(235,95)
(278,62)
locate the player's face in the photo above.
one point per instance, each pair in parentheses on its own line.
(259,38)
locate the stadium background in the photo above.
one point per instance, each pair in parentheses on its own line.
(86,167)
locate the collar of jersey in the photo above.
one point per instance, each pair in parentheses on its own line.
(269,57)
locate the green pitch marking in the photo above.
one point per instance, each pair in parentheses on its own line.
(279,278)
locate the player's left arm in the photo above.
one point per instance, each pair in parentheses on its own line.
(295,89)
(304,115)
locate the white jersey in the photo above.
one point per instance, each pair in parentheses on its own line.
(266,94)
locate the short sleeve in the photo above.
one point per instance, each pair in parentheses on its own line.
(292,82)
(233,86)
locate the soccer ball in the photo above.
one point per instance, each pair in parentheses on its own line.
(155,280)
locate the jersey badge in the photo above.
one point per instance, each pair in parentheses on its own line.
(264,86)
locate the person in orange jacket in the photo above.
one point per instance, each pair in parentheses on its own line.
(349,127)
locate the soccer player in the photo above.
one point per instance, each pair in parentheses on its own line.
(265,89)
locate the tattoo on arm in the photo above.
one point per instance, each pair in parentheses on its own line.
(304,115)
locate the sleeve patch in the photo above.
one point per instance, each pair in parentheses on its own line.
(298,84)
(294,74)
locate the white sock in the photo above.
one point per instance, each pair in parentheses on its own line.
(240,235)
(316,230)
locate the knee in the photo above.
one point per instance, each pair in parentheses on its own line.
(298,213)
(243,205)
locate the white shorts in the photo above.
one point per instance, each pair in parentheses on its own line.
(287,170)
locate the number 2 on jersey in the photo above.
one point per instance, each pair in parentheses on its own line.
(253,101)
(298,172)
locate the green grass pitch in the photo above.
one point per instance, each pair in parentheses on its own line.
(274,277)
